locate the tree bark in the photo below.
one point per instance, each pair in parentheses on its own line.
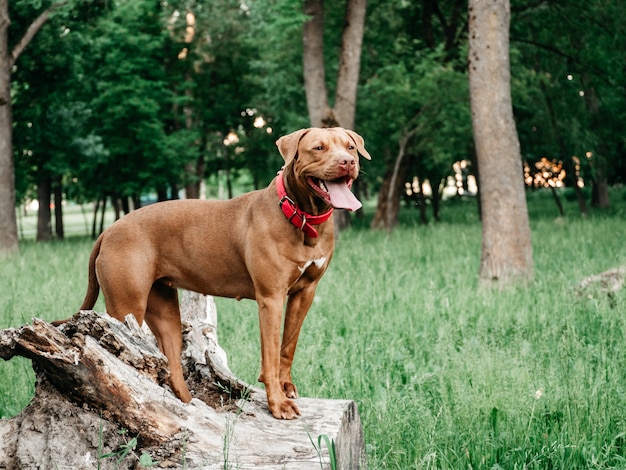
(557,201)
(8,220)
(97,377)
(59,230)
(321,114)
(44,216)
(313,62)
(350,63)
(94,223)
(506,245)
(102,214)
(600,189)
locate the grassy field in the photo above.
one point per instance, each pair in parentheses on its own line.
(445,375)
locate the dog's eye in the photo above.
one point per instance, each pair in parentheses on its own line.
(319,147)
(350,147)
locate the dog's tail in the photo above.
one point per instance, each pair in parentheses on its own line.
(93,287)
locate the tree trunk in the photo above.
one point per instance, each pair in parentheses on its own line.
(506,245)
(436,197)
(320,112)
(388,206)
(44,216)
(118,209)
(570,168)
(97,377)
(195,174)
(422,203)
(8,221)
(103,213)
(343,112)
(350,63)
(94,224)
(313,62)
(600,190)
(59,230)
(396,184)
(570,165)
(557,200)
(195,171)
(390,194)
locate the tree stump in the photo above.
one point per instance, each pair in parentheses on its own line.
(101,402)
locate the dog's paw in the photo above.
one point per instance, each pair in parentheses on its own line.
(290,390)
(285,409)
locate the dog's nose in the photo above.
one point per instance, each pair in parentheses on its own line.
(346,161)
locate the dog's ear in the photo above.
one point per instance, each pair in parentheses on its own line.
(360,143)
(288,144)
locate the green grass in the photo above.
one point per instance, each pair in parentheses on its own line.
(445,375)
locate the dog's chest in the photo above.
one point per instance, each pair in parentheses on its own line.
(314,264)
(308,271)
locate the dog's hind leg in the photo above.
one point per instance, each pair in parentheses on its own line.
(163,318)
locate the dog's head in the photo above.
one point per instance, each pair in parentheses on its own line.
(327,160)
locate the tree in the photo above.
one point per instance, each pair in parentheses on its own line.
(576,62)
(8,222)
(208,72)
(506,245)
(130,101)
(342,114)
(414,97)
(426,118)
(47,87)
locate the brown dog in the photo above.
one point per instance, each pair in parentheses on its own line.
(265,245)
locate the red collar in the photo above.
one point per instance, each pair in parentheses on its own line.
(299,218)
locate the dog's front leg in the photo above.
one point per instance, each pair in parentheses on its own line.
(297,307)
(270,316)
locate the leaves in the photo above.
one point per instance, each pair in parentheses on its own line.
(122,99)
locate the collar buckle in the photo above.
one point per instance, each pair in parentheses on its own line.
(295,212)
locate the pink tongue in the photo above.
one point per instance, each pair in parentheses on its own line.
(340,195)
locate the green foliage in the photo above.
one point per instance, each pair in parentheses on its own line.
(426,97)
(276,69)
(145,459)
(567,81)
(330,445)
(118,100)
(130,100)
(48,116)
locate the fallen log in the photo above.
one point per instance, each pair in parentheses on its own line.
(608,282)
(101,402)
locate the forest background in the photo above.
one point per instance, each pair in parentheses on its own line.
(132,101)
(137,100)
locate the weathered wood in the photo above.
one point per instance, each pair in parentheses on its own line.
(98,379)
(608,282)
